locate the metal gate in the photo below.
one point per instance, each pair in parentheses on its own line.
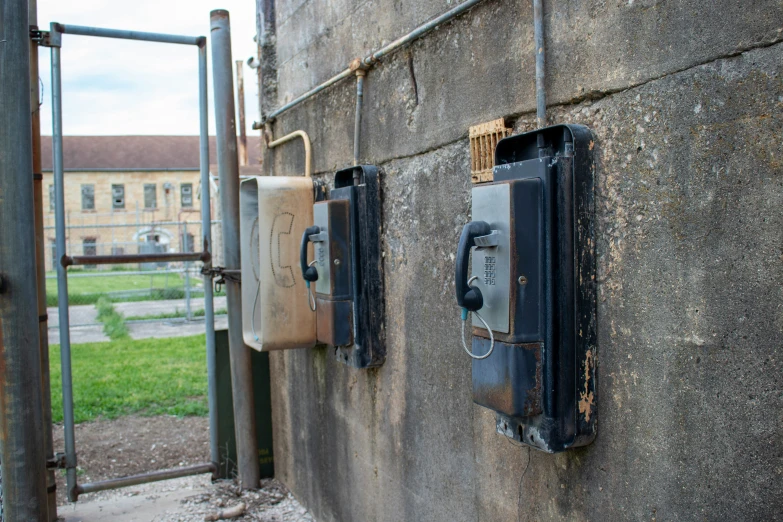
(53,39)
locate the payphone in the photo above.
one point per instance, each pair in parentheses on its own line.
(531,288)
(344,273)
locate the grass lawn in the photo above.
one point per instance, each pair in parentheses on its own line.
(87,290)
(118,283)
(146,376)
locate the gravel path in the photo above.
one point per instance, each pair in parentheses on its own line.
(135,444)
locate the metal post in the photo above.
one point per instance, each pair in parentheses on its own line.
(22,457)
(40,255)
(241,101)
(538,25)
(357,123)
(62,275)
(228,172)
(206,233)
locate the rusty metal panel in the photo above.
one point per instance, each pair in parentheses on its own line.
(509,381)
(334,322)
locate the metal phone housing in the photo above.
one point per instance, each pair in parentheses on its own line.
(347,257)
(274,212)
(540,378)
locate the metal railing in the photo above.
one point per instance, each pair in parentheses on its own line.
(54,40)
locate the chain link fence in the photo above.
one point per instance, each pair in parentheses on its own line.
(170,291)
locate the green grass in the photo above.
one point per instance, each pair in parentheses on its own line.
(88,290)
(173,315)
(117,283)
(113,321)
(146,376)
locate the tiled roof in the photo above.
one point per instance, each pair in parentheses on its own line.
(134,152)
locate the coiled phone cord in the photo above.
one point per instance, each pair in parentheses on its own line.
(465,320)
(310,296)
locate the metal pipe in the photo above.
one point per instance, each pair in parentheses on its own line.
(67,260)
(144,478)
(206,233)
(129,35)
(419,32)
(307,147)
(40,265)
(22,456)
(328,83)
(538,24)
(373,58)
(111,273)
(128,225)
(357,123)
(62,275)
(241,103)
(228,173)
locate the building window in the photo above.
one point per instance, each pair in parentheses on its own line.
(90,248)
(51,198)
(150,195)
(88,197)
(188,243)
(186,195)
(118,197)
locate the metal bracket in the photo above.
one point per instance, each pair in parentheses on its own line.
(45,38)
(58,462)
(222,274)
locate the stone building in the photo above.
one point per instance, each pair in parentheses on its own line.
(128,194)
(685,103)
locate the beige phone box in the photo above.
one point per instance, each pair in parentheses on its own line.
(274,213)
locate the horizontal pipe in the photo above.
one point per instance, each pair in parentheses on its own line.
(128,169)
(113,273)
(373,58)
(134,225)
(134,258)
(307,147)
(419,32)
(345,74)
(144,478)
(130,35)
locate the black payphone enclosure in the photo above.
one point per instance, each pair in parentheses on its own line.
(541,378)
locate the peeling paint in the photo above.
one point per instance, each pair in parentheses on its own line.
(586,398)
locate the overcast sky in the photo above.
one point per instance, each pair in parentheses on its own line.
(116,87)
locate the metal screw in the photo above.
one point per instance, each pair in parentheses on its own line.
(522,280)
(336,261)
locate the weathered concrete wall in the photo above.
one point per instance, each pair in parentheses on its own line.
(685,100)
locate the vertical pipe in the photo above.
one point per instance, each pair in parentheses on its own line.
(357,122)
(538,23)
(206,233)
(62,277)
(22,459)
(40,265)
(241,101)
(228,173)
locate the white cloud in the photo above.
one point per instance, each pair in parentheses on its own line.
(116,87)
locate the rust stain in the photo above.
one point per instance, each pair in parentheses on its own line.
(586,397)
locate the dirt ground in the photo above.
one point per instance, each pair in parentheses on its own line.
(133,444)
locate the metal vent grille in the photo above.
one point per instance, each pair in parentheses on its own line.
(484,137)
